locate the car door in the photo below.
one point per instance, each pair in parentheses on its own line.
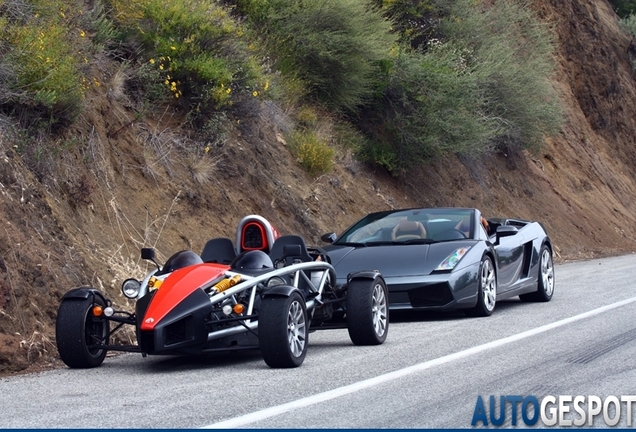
(510,259)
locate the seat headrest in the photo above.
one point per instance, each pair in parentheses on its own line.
(407,227)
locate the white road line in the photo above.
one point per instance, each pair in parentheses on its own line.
(352,388)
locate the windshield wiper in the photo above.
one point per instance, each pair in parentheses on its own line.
(418,241)
(399,242)
(353,244)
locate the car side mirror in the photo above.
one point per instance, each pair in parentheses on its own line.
(505,231)
(148,254)
(329,238)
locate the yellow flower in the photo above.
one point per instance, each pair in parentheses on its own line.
(160,67)
(255,93)
(207,149)
(173,48)
(152,61)
(82,34)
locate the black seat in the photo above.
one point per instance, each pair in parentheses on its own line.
(289,249)
(219,250)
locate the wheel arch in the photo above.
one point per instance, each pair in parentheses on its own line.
(84,293)
(281,291)
(547,242)
(364,274)
(490,253)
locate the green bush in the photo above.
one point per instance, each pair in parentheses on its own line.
(196,47)
(624,8)
(311,152)
(434,106)
(338,48)
(41,53)
(514,63)
(629,24)
(486,84)
(413,20)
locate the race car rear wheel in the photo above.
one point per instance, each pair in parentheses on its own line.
(282,330)
(79,334)
(367,311)
(545,286)
(486,290)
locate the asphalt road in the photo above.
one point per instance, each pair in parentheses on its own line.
(429,373)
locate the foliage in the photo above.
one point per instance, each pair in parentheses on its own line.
(624,8)
(196,48)
(486,84)
(514,65)
(629,24)
(413,20)
(338,48)
(42,49)
(311,152)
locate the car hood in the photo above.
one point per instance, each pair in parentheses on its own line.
(392,260)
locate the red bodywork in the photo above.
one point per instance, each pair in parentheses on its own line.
(176,287)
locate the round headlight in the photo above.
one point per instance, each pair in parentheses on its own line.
(131,288)
(275,281)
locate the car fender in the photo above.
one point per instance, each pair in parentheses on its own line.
(364,274)
(281,291)
(84,293)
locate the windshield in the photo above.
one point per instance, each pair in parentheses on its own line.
(411,226)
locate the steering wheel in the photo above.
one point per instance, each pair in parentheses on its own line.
(451,234)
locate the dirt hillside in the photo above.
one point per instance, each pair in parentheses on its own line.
(116,182)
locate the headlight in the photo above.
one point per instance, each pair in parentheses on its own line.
(451,261)
(131,288)
(275,281)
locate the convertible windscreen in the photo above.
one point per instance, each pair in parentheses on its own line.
(410,226)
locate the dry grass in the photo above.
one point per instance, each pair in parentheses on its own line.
(202,168)
(117,89)
(37,345)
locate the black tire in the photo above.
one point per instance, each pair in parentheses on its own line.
(486,290)
(79,335)
(282,330)
(368,311)
(545,286)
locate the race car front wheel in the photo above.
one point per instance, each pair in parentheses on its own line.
(367,311)
(79,334)
(282,330)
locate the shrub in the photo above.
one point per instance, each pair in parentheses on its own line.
(624,8)
(311,152)
(41,51)
(629,24)
(486,84)
(514,65)
(196,48)
(337,48)
(413,20)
